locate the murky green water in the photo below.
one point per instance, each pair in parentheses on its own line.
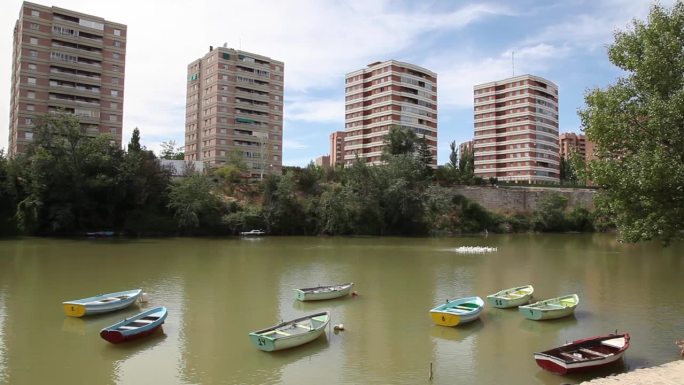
(218,290)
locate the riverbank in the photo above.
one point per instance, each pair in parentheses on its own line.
(668,374)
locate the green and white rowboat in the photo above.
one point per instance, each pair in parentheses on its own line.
(512,297)
(291,333)
(551,308)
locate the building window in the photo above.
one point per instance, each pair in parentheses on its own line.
(226,56)
(112,118)
(28,135)
(117,32)
(29,121)
(115,80)
(32,67)
(117,44)
(33,40)
(115,55)
(35,26)
(114,93)
(30,107)
(35,13)
(115,68)
(113,105)
(31,95)
(112,130)
(31,80)
(33,53)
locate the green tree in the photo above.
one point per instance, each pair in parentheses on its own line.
(466,165)
(169,150)
(453,156)
(637,125)
(194,203)
(550,215)
(70,179)
(400,141)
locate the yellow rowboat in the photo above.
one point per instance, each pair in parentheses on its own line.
(457,311)
(103,303)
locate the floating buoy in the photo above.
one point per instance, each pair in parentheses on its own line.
(339,327)
(475,249)
(354,293)
(143,298)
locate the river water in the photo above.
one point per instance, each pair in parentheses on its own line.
(218,290)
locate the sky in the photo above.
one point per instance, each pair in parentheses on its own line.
(464,42)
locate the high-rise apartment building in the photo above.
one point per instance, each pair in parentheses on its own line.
(383,95)
(516,130)
(66,61)
(570,142)
(337,148)
(235,106)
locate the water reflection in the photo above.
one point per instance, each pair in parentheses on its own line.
(458,333)
(555,326)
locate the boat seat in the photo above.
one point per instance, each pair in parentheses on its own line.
(589,351)
(303,327)
(144,321)
(127,327)
(282,333)
(570,356)
(464,307)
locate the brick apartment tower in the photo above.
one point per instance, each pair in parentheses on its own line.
(383,95)
(70,61)
(337,148)
(516,130)
(235,104)
(570,142)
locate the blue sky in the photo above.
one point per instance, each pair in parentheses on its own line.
(464,42)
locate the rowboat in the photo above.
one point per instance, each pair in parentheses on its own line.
(324,292)
(103,303)
(252,233)
(138,326)
(585,354)
(512,297)
(551,308)
(457,311)
(291,333)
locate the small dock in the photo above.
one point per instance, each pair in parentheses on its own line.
(668,374)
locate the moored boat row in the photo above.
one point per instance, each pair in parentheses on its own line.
(137,326)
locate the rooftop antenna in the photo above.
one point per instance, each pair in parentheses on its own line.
(513,62)
(225,45)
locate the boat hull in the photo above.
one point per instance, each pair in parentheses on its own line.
(513,297)
(138,326)
(539,315)
(291,334)
(117,337)
(304,295)
(97,305)
(452,313)
(557,366)
(270,345)
(553,308)
(583,355)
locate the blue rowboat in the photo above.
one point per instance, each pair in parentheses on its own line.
(138,326)
(103,303)
(291,333)
(551,308)
(324,292)
(457,311)
(512,297)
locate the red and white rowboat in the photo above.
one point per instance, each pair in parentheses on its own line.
(585,354)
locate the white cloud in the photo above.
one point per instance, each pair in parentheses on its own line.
(316,110)
(289,144)
(458,73)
